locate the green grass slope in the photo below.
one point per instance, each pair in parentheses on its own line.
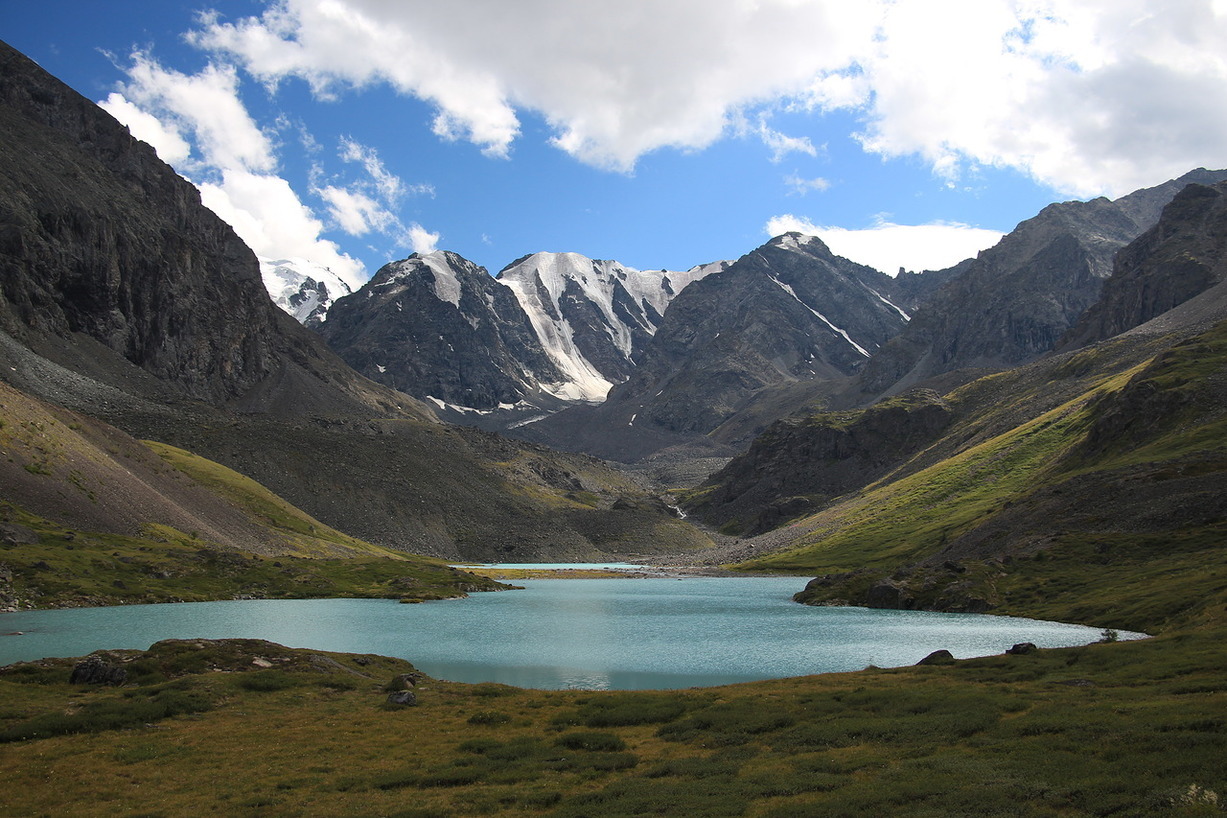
(243,727)
(1108,508)
(90,516)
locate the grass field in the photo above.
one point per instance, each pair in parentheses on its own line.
(245,727)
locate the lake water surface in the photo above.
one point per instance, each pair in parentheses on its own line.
(624,634)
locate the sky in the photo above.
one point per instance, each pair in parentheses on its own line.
(660,133)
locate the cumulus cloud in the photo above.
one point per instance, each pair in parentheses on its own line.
(421,240)
(887,246)
(208,106)
(800,186)
(199,124)
(165,138)
(269,216)
(1087,96)
(614,80)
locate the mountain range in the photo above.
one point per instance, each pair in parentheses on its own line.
(939,439)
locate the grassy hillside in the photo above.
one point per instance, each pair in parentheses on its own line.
(245,727)
(1108,508)
(90,516)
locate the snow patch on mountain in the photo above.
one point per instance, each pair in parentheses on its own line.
(550,286)
(843,333)
(446,284)
(302,288)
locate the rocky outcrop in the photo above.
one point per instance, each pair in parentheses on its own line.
(94,670)
(799,463)
(1182,256)
(438,327)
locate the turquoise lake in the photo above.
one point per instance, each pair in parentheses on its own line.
(621,634)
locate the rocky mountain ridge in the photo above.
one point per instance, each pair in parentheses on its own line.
(126,300)
(789,311)
(1099,461)
(550,330)
(1015,300)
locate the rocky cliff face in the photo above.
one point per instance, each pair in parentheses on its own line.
(100,238)
(788,311)
(1182,256)
(1016,300)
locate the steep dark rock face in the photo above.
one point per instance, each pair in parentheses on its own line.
(438,326)
(1015,300)
(100,237)
(788,311)
(1182,256)
(800,463)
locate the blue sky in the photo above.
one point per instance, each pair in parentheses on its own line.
(662,134)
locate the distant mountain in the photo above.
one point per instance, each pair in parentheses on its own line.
(439,327)
(591,316)
(124,299)
(1014,301)
(550,330)
(1096,467)
(301,288)
(788,311)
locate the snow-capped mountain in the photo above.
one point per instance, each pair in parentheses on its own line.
(591,316)
(552,330)
(302,288)
(440,328)
(787,312)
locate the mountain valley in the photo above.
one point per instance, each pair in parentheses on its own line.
(1039,431)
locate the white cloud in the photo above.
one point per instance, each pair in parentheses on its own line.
(801,186)
(887,246)
(268,215)
(165,138)
(782,145)
(614,80)
(208,106)
(390,186)
(421,240)
(1085,95)
(355,212)
(199,124)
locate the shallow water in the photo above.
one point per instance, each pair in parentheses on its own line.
(623,634)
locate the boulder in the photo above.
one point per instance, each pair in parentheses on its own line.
(402,698)
(94,670)
(1022,648)
(937,657)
